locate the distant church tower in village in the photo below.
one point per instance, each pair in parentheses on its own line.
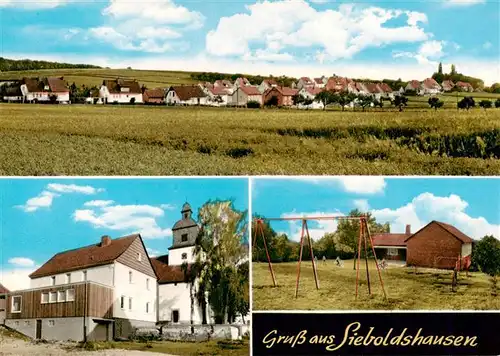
(185,232)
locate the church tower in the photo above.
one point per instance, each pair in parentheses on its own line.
(185,232)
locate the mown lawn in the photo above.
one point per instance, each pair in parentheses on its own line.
(138,140)
(209,348)
(406,289)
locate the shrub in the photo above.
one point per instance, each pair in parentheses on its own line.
(485,104)
(132,101)
(497,103)
(252,104)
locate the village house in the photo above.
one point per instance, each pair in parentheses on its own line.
(429,87)
(216,95)
(241,82)
(96,292)
(464,86)
(386,91)
(436,245)
(3,303)
(320,82)
(267,84)
(186,95)
(390,246)
(361,88)
(447,85)
(338,84)
(304,82)
(310,93)
(413,86)
(120,91)
(374,90)
(154,96)
(244,94)
(45,90)
(224,83)
(284,95)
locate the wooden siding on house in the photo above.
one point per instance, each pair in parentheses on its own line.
(99,302)
(129,259)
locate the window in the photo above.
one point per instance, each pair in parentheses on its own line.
(130,277)
(130,303)
(175,316)
(61,296)
(52,297)
(184,256)
(70,295)
(45,298)
(26,323)
(68,277)
(139,256)
(2,296)
(392,251)
(147,283)
(84,275)
(53,278)
(147,307)
(122,302)
(16,304)
(52,323)
(184,237)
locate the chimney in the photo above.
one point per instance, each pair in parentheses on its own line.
(408,230)
(105,241)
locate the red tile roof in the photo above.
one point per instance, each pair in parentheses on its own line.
(415,84)
(156,93)
(314,91)
(318,80)
(448,84)
(115,86)
(57,85)
(389,239)
(219,90)
(463,85)
(385,87)
(85,257)
(250,90)
(3,290)
(166,273)
(430,83)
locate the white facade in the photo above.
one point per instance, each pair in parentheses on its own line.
(42,96)
(178,256)
(99,274)
(173,99)
(134,294)
(175,297)
(120,98)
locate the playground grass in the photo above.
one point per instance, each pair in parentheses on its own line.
(140,140)
(407,289)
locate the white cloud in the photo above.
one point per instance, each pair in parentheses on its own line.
(168,206)
(98,203)
(361,204)
(463,2)
(126,218)
(146,26)
(295,24)
(427,207)
(427,53)
(34,4)
(320,1)
(16,278)
(152,252)
(351,184)
(21,262)
(42,200)
(73,188)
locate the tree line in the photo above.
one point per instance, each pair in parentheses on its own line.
(28,64)
(341,243)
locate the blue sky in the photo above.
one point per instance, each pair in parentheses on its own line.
(294,37)
(41,217)
(470,204)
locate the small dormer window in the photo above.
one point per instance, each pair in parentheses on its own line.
(184,256)
(139,257)
(184,237)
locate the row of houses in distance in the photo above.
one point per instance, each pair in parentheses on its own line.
(220,93)
(109,289)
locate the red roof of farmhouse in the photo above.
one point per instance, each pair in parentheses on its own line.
(250,90)
(389,239)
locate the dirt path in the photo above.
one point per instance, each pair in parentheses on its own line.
(12,346)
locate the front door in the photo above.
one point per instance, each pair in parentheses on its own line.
(38,329)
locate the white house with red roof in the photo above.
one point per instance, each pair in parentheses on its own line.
(310,93)
(242,95)
(267,84)
(320,82)
(464,86)
(304,82)
(429,86)
(216,95)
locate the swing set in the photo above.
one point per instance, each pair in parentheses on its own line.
(363,239)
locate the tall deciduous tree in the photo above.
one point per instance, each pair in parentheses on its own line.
(325,97)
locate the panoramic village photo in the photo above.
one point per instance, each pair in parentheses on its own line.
(171,87)
(356,243)
(124,265)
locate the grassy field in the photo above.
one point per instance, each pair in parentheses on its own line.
(94,77)
(138,140)
(406,290)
